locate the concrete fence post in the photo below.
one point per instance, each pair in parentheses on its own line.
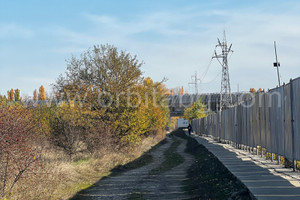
(292,124)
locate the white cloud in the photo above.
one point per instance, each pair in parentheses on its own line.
(9,30)
(181,41)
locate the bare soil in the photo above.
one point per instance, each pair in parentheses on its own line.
(150,181)
(177,168)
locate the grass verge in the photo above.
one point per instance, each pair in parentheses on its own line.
(207,177)
(58,178)
(171,158)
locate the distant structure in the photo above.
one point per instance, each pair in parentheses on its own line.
(195,81)
(225,93)
(178,103)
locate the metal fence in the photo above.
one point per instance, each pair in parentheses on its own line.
(269,119)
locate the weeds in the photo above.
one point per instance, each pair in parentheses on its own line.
(172,159)
(136,196)
(61,179)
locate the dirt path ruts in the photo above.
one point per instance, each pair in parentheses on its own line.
(168,184)
(139,184)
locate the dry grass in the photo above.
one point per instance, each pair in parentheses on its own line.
(59,178)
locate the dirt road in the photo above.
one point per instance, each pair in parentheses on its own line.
(160,179)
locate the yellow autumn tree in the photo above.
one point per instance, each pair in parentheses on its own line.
(252,90)
(3,100)
(109,83)
(197,110)
(181,91)
(156,102)
(42,94)
(8,95)
(12,95)
(173,122)
(35,95)
(150,114)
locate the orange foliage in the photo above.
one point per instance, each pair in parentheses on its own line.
(42,94)
(12,95)
(35,95)
(181,91)
(252,90)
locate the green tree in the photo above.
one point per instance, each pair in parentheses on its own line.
(104,67)
(197,110)
(100,76)
(17,95)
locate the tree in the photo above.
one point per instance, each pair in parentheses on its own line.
(181,91)
(35,95)
(12,95)
(151,115)
(100,78)
(104,68)
(8,95)
(107,83)
(252,90)
(176,91)
(17,95)
(197,110)
(42,94)
(68,127)
(3,100)
(171,92)
(43,116)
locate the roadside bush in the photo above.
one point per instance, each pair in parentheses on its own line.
(18,157)
(68,127)
(100,138)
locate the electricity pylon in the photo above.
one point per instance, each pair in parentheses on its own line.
(195,81)
(225,93)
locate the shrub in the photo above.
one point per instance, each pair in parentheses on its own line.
(18,157)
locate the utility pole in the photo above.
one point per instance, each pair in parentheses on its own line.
(225,93)
(195,81)
(277,64)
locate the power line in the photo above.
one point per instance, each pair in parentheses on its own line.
(212,80)
(207,68)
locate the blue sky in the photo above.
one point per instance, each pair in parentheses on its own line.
(173,38)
